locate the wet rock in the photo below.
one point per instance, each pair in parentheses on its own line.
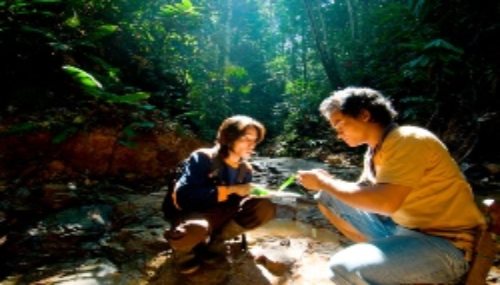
(58,196)
(278,257)
(120,241)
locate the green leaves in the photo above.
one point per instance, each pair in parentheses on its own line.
(20,128)
(45,1)
(64,134)
(92,87)
(131,98)
(440,44)
(103,31)
(129,132)
(83,77)
(184,7)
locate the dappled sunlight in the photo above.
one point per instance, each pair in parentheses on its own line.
(285,228)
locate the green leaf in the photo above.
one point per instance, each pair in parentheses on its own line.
(442,44)
(129,144)
(73,21)
(103,31)
(45,1)
(62,136)
(41,32)
(287,182)
(246,89)
(83,77)
(185,7)
(129,131)
(148,107)
(21,128)
(144,124)
(235,71)
(131,98)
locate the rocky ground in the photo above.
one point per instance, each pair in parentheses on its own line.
(116,238)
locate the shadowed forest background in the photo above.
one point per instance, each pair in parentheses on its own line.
(100,99)
(70,65)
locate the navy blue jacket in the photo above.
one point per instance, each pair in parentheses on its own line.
(197,186)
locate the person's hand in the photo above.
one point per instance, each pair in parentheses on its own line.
(240,190)
(313,179)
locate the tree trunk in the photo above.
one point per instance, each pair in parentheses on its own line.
(351,19)
(227,32)
(304,53)
(319,34)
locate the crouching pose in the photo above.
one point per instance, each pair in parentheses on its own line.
(412,212)
(210,201)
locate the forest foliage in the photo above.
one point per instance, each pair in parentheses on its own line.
(68,65)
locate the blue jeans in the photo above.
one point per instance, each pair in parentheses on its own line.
(393,254)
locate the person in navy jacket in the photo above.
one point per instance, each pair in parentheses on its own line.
(212,195)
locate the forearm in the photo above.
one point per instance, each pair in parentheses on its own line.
(368,198)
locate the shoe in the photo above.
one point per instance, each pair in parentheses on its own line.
(187,263)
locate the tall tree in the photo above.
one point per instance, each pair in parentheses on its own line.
(319,31)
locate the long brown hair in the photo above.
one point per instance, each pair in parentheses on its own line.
(233,128)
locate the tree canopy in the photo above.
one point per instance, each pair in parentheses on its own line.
(187,63)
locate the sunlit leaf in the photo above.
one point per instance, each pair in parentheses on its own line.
(131,98)
(73,21)
(42,32)
(79,119)
(246,89)
(83,77)
(103,31)
(20,4)
(112,71)
(60,46)
(193,114)
(235,71)
(185,7)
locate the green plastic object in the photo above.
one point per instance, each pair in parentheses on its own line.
(287,182)
(259,191)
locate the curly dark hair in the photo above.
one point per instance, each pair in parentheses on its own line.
(352,100)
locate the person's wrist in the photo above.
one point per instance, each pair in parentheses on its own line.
(322,183)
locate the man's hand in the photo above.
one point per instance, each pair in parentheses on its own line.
(313,179)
